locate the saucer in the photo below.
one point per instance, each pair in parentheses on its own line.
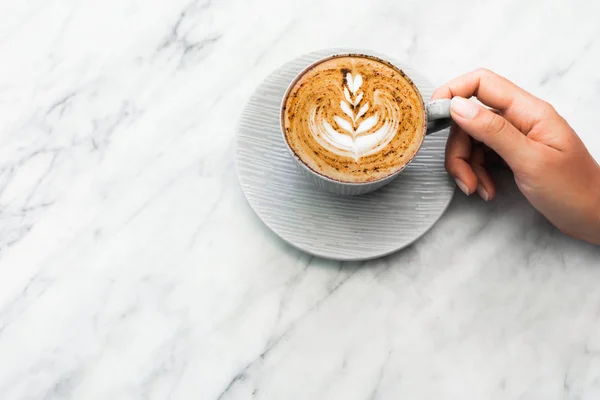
(322,224)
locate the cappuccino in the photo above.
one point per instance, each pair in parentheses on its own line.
(354,118)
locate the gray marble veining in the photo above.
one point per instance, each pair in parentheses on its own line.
(131,266)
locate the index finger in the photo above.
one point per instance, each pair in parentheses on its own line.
(520,107)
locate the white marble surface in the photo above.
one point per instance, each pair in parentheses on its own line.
(132,268)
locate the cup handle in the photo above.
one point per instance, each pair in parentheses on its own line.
(438,115)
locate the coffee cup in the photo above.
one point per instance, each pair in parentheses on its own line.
(353,122)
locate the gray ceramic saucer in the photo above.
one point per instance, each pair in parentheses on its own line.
(325,225)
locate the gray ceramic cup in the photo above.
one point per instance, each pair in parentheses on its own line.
(436,117)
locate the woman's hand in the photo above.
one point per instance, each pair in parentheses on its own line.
(551,165)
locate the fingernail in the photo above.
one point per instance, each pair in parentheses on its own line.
(483,193)
(462,186)
(464,108)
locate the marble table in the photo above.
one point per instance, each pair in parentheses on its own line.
(131,267)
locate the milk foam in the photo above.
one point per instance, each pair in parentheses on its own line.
(350,134)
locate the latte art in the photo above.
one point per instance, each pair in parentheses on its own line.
(354,119)
(356,134)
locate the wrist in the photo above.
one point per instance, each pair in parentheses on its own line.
(594,209)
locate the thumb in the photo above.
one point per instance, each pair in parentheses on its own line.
(492,130)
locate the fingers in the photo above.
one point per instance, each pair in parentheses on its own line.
(458,155)
(505,132)
(466,165)
(520,108)
(485,187)
(492,130)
